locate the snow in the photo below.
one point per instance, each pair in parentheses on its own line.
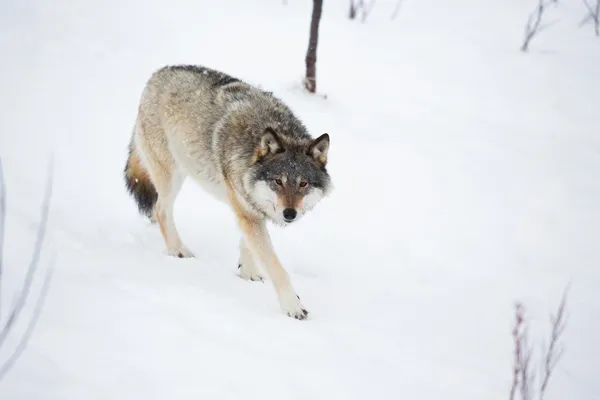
(467,177)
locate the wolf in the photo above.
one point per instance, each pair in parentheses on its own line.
(241,144)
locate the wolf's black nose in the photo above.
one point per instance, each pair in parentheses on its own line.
(289,214)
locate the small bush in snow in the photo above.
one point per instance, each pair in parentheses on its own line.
(359,6)
(524,377)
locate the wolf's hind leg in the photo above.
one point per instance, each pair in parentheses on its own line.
(247,265)
(168,182)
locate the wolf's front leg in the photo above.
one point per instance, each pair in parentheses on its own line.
(259,243)
(247,265)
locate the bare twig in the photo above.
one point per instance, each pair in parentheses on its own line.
(14,315)
(352,10)
(517,356)
(19,304)
(554,352)
(585,20)
(359,5)
(533,23)
(517,334)
(8,364)
(396,9)
(527,376)
(593,14)
(524,377)
(366,10)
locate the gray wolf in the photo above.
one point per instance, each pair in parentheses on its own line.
(242,145)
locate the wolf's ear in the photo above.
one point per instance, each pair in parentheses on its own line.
(269,143)
(318,149)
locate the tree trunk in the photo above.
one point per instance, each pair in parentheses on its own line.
(310,82)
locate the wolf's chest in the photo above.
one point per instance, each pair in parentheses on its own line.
(211,183)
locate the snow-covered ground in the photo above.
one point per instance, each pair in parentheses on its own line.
(467,177)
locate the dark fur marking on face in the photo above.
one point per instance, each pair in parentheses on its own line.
(293,163)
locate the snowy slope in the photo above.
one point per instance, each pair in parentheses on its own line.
(467,177)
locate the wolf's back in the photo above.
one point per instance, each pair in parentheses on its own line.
(190,84)
(175,93)
(209,122)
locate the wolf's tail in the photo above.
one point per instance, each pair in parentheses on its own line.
(138,182)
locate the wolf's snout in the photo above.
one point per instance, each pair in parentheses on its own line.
(289,214)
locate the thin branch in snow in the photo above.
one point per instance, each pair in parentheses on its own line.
(527,375)
(352,10)
(366,10)
(23,293)
(360,5)
(396,9)
(554,351)
(520,348)
(523,376)
(593,14)
(533,27)
(8,364)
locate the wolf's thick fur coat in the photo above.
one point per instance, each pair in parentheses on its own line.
(241,144)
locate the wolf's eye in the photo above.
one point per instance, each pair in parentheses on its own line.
(278,181)
(303,183)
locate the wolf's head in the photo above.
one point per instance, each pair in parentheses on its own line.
(289,176)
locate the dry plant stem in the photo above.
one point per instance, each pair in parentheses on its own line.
(533,24)
(366,10)
(594,14)
(396,9)
(516,333)
(19,304)
(352,10)
(9,363)
(524,378)
(554,352)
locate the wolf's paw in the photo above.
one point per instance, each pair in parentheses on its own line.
(181,252)
(291,305)
(249,273)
